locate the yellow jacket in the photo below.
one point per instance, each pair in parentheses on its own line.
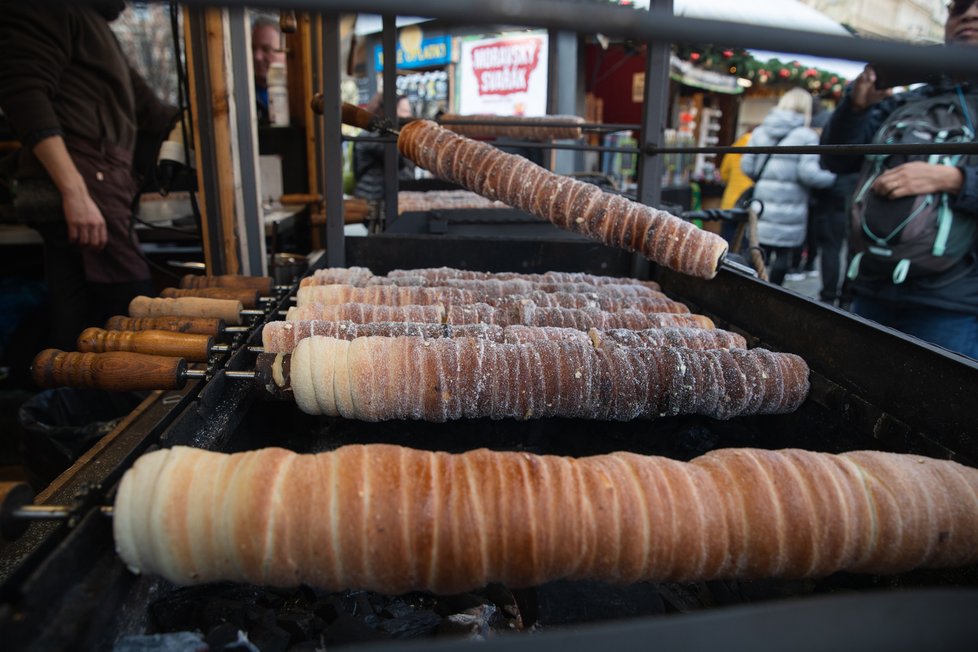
(731,175)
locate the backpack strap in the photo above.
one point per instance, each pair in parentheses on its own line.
(853,270)
(900,271)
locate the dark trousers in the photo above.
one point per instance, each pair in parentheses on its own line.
(955,331)
(832,230)
(782,257)
(77,303)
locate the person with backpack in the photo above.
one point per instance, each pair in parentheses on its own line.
(914,217)
(782,181)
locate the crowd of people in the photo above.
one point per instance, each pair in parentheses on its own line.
(77,111)
(909,223)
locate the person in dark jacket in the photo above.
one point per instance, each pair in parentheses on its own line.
(76,106)
(368,158)
(783,180)
(941,308)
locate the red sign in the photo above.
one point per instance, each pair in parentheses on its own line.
(504,67)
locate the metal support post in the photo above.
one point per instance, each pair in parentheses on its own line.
(389,40)
(332,142)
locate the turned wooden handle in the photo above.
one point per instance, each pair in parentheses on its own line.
(263,284)
(13,496)
(356,117)
(226,309)
(195,348)
(301,198)
(247,296)
(114,372)
(198,325)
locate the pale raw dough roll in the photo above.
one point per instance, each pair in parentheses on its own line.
(568,203)
(462,378)
(392,519)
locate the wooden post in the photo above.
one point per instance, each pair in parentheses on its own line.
(220,164)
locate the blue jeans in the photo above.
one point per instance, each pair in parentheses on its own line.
(955,331)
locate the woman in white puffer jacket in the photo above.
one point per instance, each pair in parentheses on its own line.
(786,178)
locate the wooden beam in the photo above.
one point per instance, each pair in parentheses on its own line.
(220,129)
(205,235)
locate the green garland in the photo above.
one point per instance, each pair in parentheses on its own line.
(773,72)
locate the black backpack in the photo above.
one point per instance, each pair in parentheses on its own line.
(918,235)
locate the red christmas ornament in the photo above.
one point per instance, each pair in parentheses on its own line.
(728,53)
(784,72)
(694,56)
(833,79)
(811,72)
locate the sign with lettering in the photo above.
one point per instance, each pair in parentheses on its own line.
(504,76)
(433,51)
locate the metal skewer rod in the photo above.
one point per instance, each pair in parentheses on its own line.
(197,374)
(224,348)
(51,512)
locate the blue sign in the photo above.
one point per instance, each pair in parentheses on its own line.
(434,51)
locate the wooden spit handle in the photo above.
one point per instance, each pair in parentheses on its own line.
(195,348)
(13,496)
(263,284)
(229,311)
(248,297)
(354,116)
(198,325)
(113,372)
(301,198)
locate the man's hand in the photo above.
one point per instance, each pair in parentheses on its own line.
(918,178)
(864,93)
(86,226)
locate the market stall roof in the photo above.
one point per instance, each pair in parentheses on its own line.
(788,14)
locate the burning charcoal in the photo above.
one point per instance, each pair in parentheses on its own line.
(507,604)
(269,638)
(174,613)
(415,624)
(396,608)
(473,623)
(348,629)
(327,608)
(222,635)
(213,611)
(300,626)
(454,604)
(173,642)
(300,601)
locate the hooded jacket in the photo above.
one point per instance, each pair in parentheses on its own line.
(784,184)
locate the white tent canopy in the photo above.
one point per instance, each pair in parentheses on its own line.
(788,14)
